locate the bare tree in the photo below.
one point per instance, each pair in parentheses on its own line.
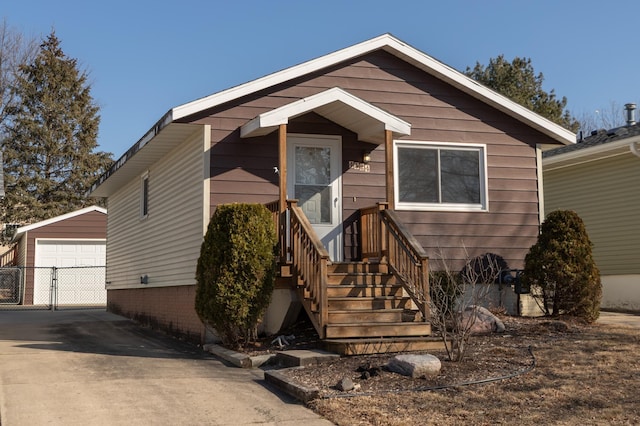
(456,296)
(15,50)
(609,117)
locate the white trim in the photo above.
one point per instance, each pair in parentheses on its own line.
(540,182)
(46,222)
(483,206)
(575,155)
(206,178)
(401,50)
(331,104)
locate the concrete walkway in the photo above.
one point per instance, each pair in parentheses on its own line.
(92,367)
(616,318)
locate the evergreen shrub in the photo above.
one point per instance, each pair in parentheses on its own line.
(562,269)
(236,271)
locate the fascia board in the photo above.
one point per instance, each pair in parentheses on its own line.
(403,51)
(52,220)
(576,156)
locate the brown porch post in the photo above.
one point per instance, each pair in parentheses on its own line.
(282,167)
(388,162)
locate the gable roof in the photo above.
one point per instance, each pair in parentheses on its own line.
(385,42)
(619,140)
(341,107)
(23,229)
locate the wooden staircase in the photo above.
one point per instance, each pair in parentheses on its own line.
(360,307)
(365,300)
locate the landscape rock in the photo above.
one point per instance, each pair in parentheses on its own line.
(345,385)
(415,365)
(482,320)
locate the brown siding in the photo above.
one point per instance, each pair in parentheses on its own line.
(166,308)
(242,169)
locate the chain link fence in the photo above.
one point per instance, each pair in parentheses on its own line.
(52,288)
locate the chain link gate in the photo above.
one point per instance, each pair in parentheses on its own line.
(52,288)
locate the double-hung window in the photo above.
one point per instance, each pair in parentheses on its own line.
(440,176)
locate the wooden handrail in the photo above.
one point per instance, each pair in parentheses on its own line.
(9,258)
(383,235)
(309,267)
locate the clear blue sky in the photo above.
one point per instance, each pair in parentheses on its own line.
(145,57)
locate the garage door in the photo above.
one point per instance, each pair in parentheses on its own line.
(80,273)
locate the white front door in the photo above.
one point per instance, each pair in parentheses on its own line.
(314,179)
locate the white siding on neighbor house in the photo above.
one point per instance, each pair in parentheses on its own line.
(605,195)
(165,245)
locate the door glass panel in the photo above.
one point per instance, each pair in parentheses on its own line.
(313,182)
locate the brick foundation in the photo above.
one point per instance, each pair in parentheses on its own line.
(170,309)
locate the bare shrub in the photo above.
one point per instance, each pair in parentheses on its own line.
(454,292)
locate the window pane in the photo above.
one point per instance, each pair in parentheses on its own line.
(460,174)
(313,165)
(315,202)
(417,175)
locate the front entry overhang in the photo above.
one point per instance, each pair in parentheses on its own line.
(339,106)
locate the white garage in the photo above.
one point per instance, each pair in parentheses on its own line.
(63,259)
(76,267)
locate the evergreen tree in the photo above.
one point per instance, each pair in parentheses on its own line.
(49,158)
(517,81)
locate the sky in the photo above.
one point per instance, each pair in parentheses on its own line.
(146,57)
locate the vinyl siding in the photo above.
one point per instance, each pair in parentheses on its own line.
(166,244)
(242,169)
(604,193)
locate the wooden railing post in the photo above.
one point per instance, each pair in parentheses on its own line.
(383,237)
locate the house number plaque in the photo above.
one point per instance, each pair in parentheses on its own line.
(361,167)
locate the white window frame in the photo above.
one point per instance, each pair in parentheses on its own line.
(144,195)
(483,206)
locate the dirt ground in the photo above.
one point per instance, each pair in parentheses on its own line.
(540,371)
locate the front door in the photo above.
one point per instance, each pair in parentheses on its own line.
(314,179)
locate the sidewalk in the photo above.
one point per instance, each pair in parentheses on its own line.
(616,318)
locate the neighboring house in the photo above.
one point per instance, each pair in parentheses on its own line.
(598,179)
(76,239)
(378,122)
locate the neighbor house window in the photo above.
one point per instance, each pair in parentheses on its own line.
(144,196)
(440,176)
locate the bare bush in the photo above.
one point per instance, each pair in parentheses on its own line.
(455,292)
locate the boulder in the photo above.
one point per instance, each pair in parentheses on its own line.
(345,385)
(481,320)
(415,365)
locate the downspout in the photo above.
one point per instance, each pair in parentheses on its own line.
(635,150)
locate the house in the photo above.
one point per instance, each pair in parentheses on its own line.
(375,160)
(72,240)
(597,178)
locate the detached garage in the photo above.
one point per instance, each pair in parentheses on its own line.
(68,250)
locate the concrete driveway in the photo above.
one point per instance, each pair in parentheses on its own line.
(93,367)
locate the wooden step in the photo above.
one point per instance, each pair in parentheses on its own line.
(358,267)
(382,345)
(366,316)
(367,302)
(361,290)
(360,278)
(338,331)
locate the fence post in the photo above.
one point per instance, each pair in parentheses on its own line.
(53,296)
